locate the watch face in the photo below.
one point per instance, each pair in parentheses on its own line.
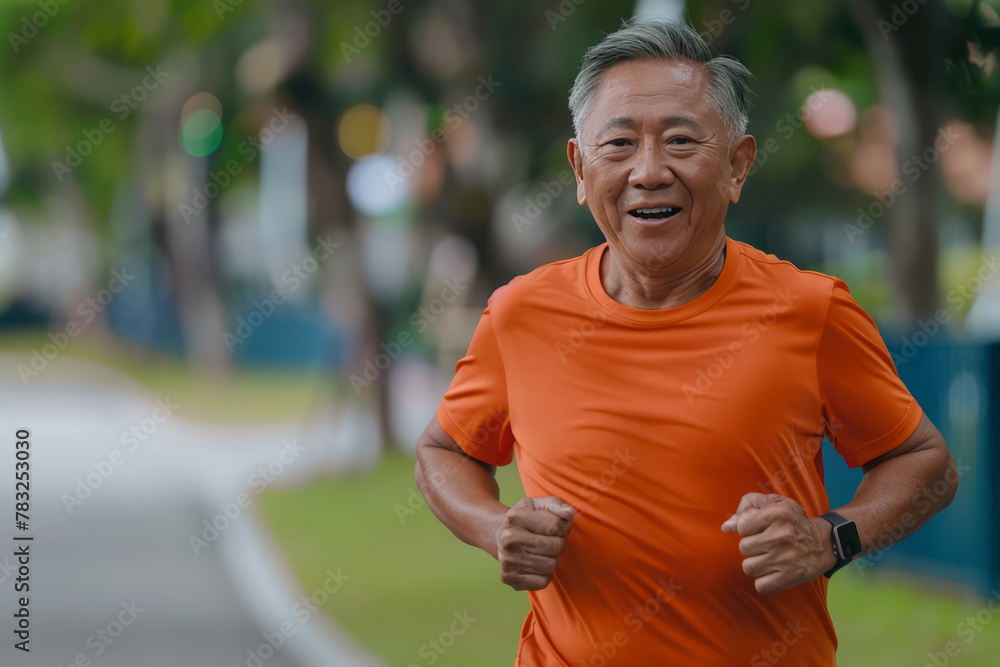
(850,543)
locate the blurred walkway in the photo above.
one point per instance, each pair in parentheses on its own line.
(149,549)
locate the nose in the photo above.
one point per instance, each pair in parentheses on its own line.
(650,169)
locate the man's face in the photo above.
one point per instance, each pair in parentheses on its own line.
(656,166)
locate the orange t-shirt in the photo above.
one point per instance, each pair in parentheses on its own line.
(653,424)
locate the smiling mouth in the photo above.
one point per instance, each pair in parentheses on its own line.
(655,214)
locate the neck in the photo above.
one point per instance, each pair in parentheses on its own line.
(654,292)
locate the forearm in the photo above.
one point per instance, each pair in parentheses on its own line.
(899,495)
(462,493)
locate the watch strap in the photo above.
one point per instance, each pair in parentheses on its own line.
(835,521)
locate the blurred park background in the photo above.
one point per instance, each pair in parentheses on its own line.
(231,225)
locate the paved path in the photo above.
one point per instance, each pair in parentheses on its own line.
(115,579)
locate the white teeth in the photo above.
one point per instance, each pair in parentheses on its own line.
(653,211)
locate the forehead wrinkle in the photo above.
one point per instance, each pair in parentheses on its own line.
(666,122)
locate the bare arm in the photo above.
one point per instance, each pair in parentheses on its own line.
(463,493)
(903,488)
(901,491)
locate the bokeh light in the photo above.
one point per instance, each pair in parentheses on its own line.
(965,165)
(829,113)
(201,124)
(369,188)
(363,130)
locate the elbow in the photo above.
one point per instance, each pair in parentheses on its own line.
(952,474)
(418,472)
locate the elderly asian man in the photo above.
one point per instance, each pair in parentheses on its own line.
(654,386)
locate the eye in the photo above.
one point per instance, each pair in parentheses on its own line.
(681,141)
(619,143)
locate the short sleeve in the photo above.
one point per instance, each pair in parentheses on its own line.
(866,407)
(474,410)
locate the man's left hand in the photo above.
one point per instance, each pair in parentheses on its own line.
(783,547)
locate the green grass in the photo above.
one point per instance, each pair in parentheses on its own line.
(409,575)
(889,619)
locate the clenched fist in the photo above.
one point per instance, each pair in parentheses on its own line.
(529,539)
(783,546)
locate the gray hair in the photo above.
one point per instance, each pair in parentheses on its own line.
(728,85)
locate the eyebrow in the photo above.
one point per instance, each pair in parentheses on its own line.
(669,121)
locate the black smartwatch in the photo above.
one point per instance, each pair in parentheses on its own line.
(846,543)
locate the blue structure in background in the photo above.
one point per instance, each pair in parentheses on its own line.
(286,336)
(956,383)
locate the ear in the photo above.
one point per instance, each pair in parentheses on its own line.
(575,157)
(741,161)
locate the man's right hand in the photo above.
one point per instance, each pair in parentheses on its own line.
(530,538)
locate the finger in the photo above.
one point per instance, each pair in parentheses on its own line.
(541,522)
(747,522)
(750,501)
(754,545)
(555,505)
(771,583)
(759,566)
(526,582)
(754,521)
(520,540)
(756,500)
(545,545)
(529,563)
